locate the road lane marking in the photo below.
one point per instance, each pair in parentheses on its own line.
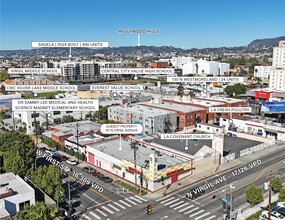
(192,210)
(91,188)
(113,207)
(200,197)
(130,201)
(119,205)
(102,213)
(163,198)
(181,206)
(96,216)
(167,200)
(176,204)
(186,208)
(197,213)
(86,216)
(125,203)
(108,210)
(135,199)
(211,217)
(201,216)
(90,198)
(141,198)
(246,183)
(171,202)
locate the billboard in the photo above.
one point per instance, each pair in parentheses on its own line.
(273,107)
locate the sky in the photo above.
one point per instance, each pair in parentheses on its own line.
(182,23)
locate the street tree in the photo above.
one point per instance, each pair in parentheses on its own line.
(49,179)
(276,184)
(39,211)
(282,194)
(4,75)
(254,194)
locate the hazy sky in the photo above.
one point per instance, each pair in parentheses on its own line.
(182,23)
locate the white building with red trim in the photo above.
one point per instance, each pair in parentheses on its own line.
(155,168)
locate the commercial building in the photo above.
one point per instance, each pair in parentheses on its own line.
(205,67)
(156,167)
(262,128)
(61,132)
(154,120)
(159,64)
(187,115)
(180,61)
(15,194)
(206,103)
(262,72)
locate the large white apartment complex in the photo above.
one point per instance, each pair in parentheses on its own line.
(262,72)
(277,72)
(206,67)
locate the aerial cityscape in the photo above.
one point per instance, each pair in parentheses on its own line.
(128,110)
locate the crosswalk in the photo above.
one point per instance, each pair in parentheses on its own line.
(184,206)
(107,210)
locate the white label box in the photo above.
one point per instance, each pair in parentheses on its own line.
(138,31)
(206,79)
(70,44)
(55,105)
(49,71)
(230,109)
(41,88)
(121,128)
(135,71)
(187,136)
(117,87)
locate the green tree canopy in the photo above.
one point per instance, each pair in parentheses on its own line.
(67,118)
(49,179)
(276,184)
(39,211)
(237,89)
(18,147)
(282,194)
(4,75)
(254,194)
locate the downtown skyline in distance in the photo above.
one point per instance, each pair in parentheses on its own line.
(184,24)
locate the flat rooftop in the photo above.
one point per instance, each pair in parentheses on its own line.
(111,147)
(223,99)
(232,145)
(71,127)
(14,182)
(206,103)
(175,107)
(145,110)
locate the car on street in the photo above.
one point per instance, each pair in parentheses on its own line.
(280,210)
(71,162)
(281,204)
(273,216)
(63,158)
(194,193)
(88,169)
(43,148)
(50,151)
(106,179)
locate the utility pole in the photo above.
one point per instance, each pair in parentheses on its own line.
(36,127)
(77,141)
(69,208)
(269,199)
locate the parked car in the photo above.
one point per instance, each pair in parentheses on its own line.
(106,179)
(63,158)
(280,210)
(50,151)
(71,162)
(194,193)
(234,135)
(96,173)
(281,204)
(56,156)
(273,216)
(43,148)
(88,169)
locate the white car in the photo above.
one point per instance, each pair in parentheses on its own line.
(273,216)
(50,151)
(71,162)
(281,204)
